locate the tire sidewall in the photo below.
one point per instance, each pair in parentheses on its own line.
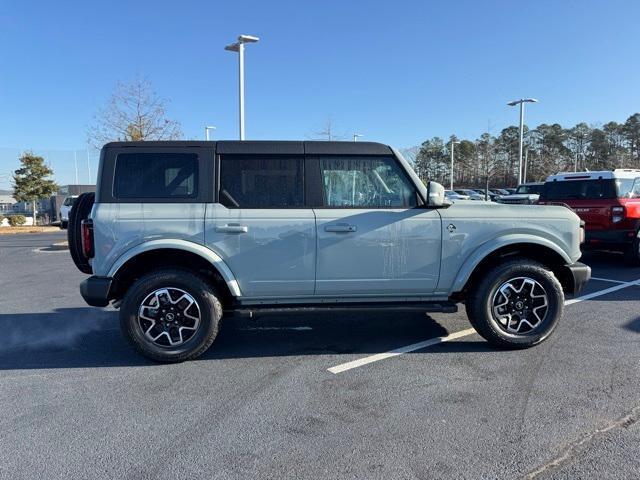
(632,253)
(194,286)
(555,299)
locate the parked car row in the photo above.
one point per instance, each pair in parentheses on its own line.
(492,194)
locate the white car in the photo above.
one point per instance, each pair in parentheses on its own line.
(451,195)
(65,209)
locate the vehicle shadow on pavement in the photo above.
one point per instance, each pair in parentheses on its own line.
(91,338)
(64,338)
(633,325)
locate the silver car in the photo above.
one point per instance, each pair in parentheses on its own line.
(525,194)
(181,234)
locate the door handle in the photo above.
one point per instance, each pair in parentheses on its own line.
(232,228)
(340,228)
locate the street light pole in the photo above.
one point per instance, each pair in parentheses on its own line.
(206,132)
(521,102)
(239,48)
(356,136)
(451,175)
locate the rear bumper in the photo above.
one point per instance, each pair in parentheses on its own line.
(609,239)
(95,290)
(578,275)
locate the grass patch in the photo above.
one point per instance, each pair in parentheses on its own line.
(27,229)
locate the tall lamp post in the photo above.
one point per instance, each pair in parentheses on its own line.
(453,142)
(206,132)
(521,102)
(239,47)
(356,136)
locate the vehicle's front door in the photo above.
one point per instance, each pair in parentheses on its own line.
(372,237)
(260,226)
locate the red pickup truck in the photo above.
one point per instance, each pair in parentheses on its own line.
(609,204)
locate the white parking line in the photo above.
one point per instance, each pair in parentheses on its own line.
(343,367)
(300,329)
(599,293)
(399,351)
(610,280)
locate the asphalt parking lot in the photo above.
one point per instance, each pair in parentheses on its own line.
(309,397)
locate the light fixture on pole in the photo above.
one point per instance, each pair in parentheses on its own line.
(206,132)
(356,136)
(239,47)
(521,102)
(453,142)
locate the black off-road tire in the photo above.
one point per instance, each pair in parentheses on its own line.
(479,303)
(632,253)
(80,211)
(201,291)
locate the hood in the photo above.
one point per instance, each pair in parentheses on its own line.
(491,210)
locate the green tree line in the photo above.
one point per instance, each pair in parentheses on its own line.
(493,160)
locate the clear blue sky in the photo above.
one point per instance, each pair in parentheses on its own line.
(397,72)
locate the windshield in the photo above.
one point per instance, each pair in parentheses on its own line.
(529,189)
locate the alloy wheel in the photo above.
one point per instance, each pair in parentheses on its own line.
(169,317)
(520,305)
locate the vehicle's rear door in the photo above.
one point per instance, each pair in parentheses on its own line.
(373,239)
(259,223)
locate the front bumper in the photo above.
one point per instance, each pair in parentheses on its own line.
(95,290)
(578,274)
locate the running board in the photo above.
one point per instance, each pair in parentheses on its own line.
(427,307)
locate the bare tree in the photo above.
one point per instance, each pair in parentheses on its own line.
(327,132)
(134,113)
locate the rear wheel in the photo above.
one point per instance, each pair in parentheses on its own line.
(517,304)
(170,315)
(632,253)
(80,211)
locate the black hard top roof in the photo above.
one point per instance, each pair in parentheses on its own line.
(269,146)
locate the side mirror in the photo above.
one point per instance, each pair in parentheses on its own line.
(435,195)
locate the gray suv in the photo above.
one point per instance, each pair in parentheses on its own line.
(181,233)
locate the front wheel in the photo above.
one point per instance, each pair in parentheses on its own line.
(170,315)
(517,304)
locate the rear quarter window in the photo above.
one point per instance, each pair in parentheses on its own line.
(156,175)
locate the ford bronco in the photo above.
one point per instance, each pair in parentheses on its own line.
(608,202)
(180,233)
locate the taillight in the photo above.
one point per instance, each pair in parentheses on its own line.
(87,238)
(617,214)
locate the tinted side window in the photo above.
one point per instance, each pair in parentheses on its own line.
(156,175)
(248,181)
(365,182)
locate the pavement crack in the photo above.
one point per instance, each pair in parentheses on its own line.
(567,453)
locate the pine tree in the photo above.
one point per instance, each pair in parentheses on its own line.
(31,182)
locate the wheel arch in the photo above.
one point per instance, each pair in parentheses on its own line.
(538,249)
(172,253)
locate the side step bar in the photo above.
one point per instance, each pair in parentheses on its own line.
(427,307)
